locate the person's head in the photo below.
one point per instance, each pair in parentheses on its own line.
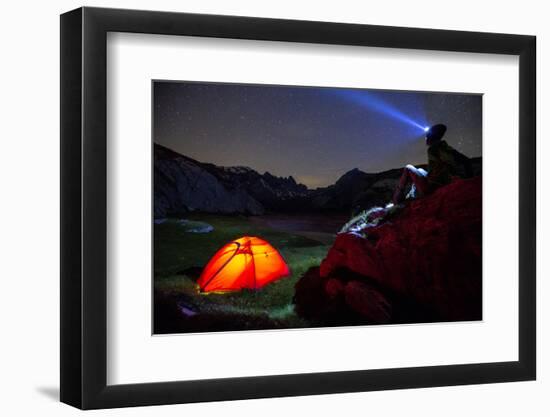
(435,133)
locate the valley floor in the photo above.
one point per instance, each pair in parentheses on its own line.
(180,255)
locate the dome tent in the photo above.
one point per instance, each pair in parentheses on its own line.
(247,262)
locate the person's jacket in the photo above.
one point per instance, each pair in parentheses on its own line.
(444,162)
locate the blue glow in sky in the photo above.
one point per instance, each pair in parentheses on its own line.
(314,134)
(410,112)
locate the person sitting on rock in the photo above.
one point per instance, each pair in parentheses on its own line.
(444,162)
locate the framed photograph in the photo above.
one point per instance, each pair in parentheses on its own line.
(257,208)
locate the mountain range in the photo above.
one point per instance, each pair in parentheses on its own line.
(182,184)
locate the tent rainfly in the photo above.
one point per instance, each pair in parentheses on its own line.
(247,262)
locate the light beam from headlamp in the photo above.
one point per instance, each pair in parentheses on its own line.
(370,100)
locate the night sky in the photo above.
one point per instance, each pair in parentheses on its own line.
(314,134)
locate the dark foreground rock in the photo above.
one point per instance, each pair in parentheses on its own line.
(424,264)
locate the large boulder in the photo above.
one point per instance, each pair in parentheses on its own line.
(340,300)
(422,264)
(321,300)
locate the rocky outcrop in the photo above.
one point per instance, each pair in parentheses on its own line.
(272,192)
(422,264)
(182,184)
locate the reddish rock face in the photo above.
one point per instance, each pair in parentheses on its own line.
(333,288)
(425,261)
(321,300)
(367,302)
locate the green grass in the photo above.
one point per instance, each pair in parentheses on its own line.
(176,250)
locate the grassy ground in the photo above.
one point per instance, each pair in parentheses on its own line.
(179,257)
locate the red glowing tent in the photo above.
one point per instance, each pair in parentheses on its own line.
(247,262)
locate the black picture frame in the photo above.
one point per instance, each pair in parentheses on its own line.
(84,207)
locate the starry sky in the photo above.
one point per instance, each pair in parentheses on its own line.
(314,134)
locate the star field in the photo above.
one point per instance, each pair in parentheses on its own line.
(314,134)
